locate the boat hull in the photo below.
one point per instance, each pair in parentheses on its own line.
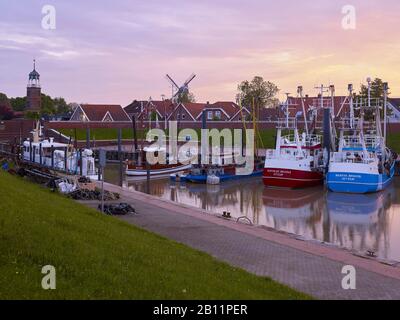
(291,179)
(359,182)
(222,178)
(159,171)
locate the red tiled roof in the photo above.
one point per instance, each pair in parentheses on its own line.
(229,107)
(96,112)
(194,108)
(163,107)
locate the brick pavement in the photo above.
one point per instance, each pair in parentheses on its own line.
(305,266)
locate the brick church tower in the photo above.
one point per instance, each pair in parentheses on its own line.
(33,91)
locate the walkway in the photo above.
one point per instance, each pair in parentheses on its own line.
(306,266)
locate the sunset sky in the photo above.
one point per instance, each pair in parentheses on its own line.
(117,51)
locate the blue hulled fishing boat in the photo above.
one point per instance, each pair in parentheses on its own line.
(363,163)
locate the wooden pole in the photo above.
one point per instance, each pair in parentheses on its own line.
(30,150)
(75,139)
(52,157)
(147,177)
(40,153)
(87,138)
(120,157)
(80,163)
(65,158)
(135,141)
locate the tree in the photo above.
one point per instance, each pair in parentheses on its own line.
(18,103)
(262,93)
(48,105)
(186,97)
(6,112)
(32,115)
(377,92)
(61,105)
(376,89)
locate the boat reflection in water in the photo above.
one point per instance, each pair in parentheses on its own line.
(360,222)
(240,198)
(297,211)
(353,221)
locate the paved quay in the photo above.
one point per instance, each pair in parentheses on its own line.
(307,266)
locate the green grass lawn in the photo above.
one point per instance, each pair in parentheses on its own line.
(102,133)
(100,257)
(394,141)
(267,135)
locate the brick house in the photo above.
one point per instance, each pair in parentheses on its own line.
(99,113)
(221,111)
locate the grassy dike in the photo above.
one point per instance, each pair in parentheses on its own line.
(101,257)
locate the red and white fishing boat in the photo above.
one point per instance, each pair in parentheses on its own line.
(297,158)
(295,162)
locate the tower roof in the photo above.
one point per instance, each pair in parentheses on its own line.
(34,75)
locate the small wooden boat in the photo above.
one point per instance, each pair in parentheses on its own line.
(140,169)
(157,169)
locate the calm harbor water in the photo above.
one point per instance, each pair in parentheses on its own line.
(358,222)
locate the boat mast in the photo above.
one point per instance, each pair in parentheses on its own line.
(300,92)
(350,88)
(385,95)
(287,109)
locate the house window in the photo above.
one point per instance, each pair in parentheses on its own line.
(218,114)
(209,115)
(183,117)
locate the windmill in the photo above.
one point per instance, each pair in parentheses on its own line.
(179,91)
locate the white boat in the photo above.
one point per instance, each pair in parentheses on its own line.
(155,170)
(158,169)
(58,156)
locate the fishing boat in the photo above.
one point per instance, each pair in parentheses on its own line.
(159,169)
(215,174)
(296,160)
(363,163)
(58,156)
